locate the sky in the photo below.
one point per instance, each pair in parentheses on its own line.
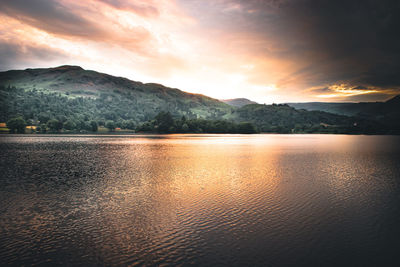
(270,51)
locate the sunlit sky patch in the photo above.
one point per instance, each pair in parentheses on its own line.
(267,51)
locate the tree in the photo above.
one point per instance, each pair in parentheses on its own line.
(16,125)
(42,128)
(69,125)
(62,118)
(43,117)
(130,124)
(93,126)
(101,122)
(54,125)
(110,125)
(80,124)
(185,128)
(87,126)
(164,122)
(246,128)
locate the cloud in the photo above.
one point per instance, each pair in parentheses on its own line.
(360,87)
(16,56)
(349,41)
(79,23)
(323,90)
(321,42)
(52,17)
(142,8)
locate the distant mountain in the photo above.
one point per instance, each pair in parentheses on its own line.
(387,113)
(285,119)
(349,109)
(238,102)
(391,106)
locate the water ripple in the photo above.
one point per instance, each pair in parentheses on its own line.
(199,200)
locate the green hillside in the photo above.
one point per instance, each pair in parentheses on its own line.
(285,119)
(385,113)
(134,100)
(351,109)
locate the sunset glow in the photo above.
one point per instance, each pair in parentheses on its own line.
(266,51)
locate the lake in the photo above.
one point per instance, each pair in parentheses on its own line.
(234,200)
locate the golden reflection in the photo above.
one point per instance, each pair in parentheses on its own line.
(181,177)
(155,199)
(166,189)
(346,176)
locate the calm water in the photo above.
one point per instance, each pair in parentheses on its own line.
(207,200)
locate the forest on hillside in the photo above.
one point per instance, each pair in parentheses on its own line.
(58,112)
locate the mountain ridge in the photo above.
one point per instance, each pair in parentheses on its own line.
(70,68)
(342,108)
(74,81)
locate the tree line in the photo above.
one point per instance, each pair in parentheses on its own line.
(162,123)
(165,123)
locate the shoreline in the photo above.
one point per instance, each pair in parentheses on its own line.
(165,134)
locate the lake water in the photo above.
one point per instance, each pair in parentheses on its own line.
(234,200)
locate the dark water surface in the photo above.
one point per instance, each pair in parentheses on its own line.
(246,200)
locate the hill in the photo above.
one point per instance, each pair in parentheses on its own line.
(379,109)
(351,109)
(282,118)
(386,113)
(133,100)
(238,102)
(71,98)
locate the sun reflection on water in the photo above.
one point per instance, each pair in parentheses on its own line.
(204,199)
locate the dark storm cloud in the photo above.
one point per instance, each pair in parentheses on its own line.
(50,16)
(323,90)
(360,37)
(351,41)
(360,87)
(356,41)
(16,56)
